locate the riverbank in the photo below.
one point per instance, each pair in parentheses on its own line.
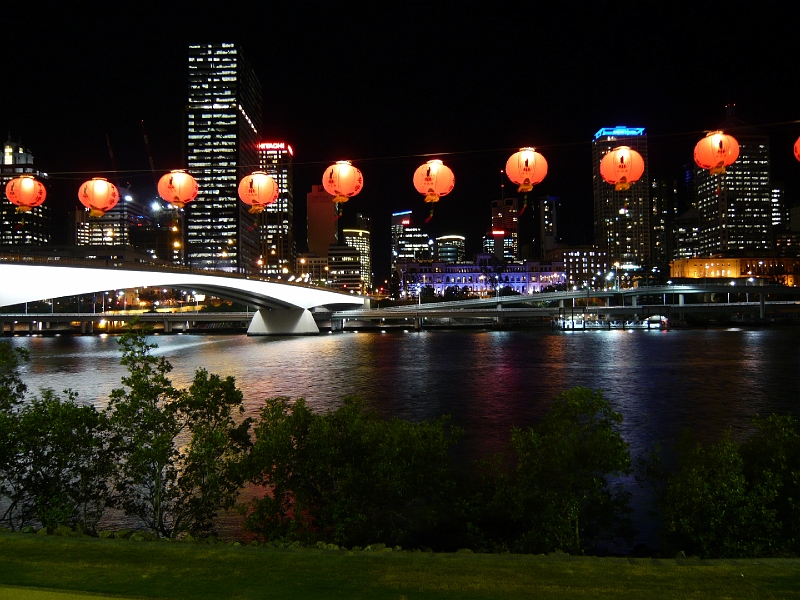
(123,568)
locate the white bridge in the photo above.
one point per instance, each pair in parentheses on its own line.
(283,308)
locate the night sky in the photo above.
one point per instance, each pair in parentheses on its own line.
(382,83)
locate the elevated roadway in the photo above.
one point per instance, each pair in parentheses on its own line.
(283,308)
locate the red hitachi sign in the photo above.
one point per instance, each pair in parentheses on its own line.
(498,232)
(276,146)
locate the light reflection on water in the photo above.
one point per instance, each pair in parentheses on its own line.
(662,382)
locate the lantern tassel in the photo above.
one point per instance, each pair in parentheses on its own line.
(255,209)
(622,185)
(431,197)
(24,209)
(96,212)
(340,198)
(430,216)
(525,188)
(524,204)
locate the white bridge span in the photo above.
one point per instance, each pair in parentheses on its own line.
(283,308)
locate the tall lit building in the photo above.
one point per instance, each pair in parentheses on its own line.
(505,218)
(321,221)
(400,220)
(278,248)
(409,243)
(32,227)
(450,248)
(548,225)
(736,207)
(344,268)
(223,118)
(664,203)
(111,229)
(621,219)
(360,240)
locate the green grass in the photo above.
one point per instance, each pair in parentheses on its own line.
(125,569)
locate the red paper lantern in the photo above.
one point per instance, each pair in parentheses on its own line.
(716,151)
(622,167)
(98,195)
(25,192)
(178,188)
(797,149)
(526,168)
(258,190)
(342,180)
(434,180)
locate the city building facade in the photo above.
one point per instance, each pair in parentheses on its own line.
(451,248)
(321,219)
(223,119)
(360,240)
(28,228)
(278,251)
(622,226)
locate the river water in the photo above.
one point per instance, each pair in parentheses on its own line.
(489,381)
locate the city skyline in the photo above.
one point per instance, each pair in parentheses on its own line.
(484,107)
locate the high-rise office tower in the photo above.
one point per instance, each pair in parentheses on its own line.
(621,219)
(548,225)
(278,248)
(664,202)
(112,228)
(223,118)
(409,243)
(32,227)
(321,221)
(451,248)
(360,240)
(505,218)
(736,207)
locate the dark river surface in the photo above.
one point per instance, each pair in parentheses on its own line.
(488,381)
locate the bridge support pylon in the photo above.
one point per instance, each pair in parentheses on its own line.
(283,322)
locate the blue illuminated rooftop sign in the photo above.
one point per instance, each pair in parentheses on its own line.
(619,130)
(405,212)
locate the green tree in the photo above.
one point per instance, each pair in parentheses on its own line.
(60,464)
(709,508)
(169,486)
(213,461)
(555,488)
(348,476)
(771,462)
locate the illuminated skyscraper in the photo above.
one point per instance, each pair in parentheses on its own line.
(32,227)
(450,248)
(621,219)
(408,243)
(505,218)
(360,240)
(736,207)
(321,220)
(278,248)
(223,118)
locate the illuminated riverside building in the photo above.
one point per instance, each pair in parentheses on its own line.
(276,222)
(450,248)
(528,277)
(360,240)
(583,266)
(736,208)
(774,269)
(28,228)
(344,269)
(408,242)
(621,219)
(112,228)
(223,118)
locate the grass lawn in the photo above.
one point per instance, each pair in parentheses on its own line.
(92,568)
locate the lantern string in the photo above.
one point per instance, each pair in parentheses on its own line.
(455,154)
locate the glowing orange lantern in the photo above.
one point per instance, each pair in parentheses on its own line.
(622,167)
(25,192)
(178,188)
(526,168)
(434,180)
(797,149)
(258,190)
(99,196)
(342,181)
(716,151)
